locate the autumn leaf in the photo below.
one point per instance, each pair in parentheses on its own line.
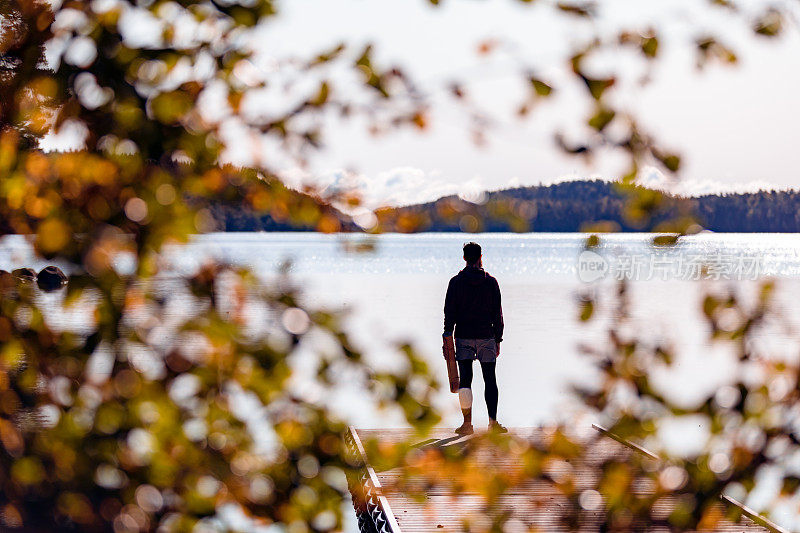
(540,88)
(581,9)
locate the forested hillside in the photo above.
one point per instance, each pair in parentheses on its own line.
(562,207)
(578,205)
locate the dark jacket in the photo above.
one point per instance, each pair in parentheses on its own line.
(472,305)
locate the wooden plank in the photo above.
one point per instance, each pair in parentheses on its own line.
(533,505)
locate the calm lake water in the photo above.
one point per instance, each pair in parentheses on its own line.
(396,292)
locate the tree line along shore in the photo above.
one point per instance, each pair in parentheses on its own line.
(562,207)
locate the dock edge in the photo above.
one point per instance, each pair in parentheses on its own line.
(372,509)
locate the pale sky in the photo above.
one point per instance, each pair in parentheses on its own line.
(737,127)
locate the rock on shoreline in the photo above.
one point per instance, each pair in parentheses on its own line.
(51,278)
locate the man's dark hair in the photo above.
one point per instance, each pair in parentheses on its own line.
(472,252)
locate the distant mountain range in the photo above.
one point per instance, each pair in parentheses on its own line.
(564,207)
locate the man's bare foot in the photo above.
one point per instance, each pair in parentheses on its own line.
(497,427)
(465,429)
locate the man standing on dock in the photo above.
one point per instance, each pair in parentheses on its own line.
(472,308)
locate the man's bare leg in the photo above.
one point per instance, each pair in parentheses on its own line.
(465,399)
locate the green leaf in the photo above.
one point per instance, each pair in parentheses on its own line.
(586,310)
(541,88)
(711,48)
(598,86)
(329,55)
(602,118)
(670,160)
(650,46)
(322,95)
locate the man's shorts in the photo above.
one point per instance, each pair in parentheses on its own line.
(484,350)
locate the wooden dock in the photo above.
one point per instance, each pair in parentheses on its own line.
(534,505)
